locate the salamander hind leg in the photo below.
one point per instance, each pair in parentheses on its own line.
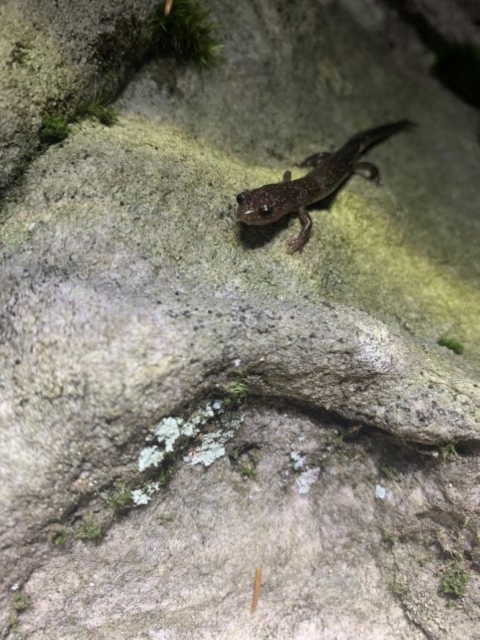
(298,243)
(287,176)
(314,161)
(368,171)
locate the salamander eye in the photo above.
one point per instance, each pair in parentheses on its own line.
(265,211)
(241,197)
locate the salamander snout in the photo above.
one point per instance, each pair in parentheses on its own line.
(259,206)
(242,197)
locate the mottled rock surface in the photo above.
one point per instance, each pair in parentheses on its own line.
(128,293)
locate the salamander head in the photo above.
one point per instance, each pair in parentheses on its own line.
(262,206)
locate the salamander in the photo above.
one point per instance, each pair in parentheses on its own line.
(329,170)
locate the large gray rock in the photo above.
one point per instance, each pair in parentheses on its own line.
(129,293)
(56,57)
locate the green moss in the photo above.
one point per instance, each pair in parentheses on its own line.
(335,439)
(18,54)
(165,518)
(388,537)
(248,470)
(389,472)
(236,390)
(245,459)
(119,498)
(448,450)
(12,622)
(54,128)
(451,344)
(90,529)
(397,587)
(166,472)
(187,33)
(21,602)
(454,580)
(57,536)
(99,110)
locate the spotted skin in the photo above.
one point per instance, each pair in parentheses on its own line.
(271,202)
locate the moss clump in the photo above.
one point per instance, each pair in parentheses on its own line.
(454,581)
(188,33)
(21,602)
(389,472)
(119,499)
(236,390)
(90,530)
(397,587)
(166,518)
(388,537)
(451,344)
(57,536)
(248,470)
(166,471)
(245,460)
(12,622)
(99,110)
(18,54)
(55,128)
(448,450)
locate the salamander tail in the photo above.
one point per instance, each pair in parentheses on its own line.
(371,137)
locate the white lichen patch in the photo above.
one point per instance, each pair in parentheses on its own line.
(213,447)
(380,492)
(170,429)
(298,460)
(144,495)
(150,457)
(306,479)
(213,444)
(167,433)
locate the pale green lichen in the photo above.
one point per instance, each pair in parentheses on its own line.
(172,433)
(150,457)
(298,460)
(170,429)
(213,447)
(144,495)
(306,479)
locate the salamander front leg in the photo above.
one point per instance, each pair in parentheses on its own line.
(298,243)
(287,176)
(368,171)
(314,161)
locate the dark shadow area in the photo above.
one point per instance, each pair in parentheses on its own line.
(457,65)
(389,450)
(254,237)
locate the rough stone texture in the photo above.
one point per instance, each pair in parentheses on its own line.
(128,292)
(337,562)
(55,56)
(195,551)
